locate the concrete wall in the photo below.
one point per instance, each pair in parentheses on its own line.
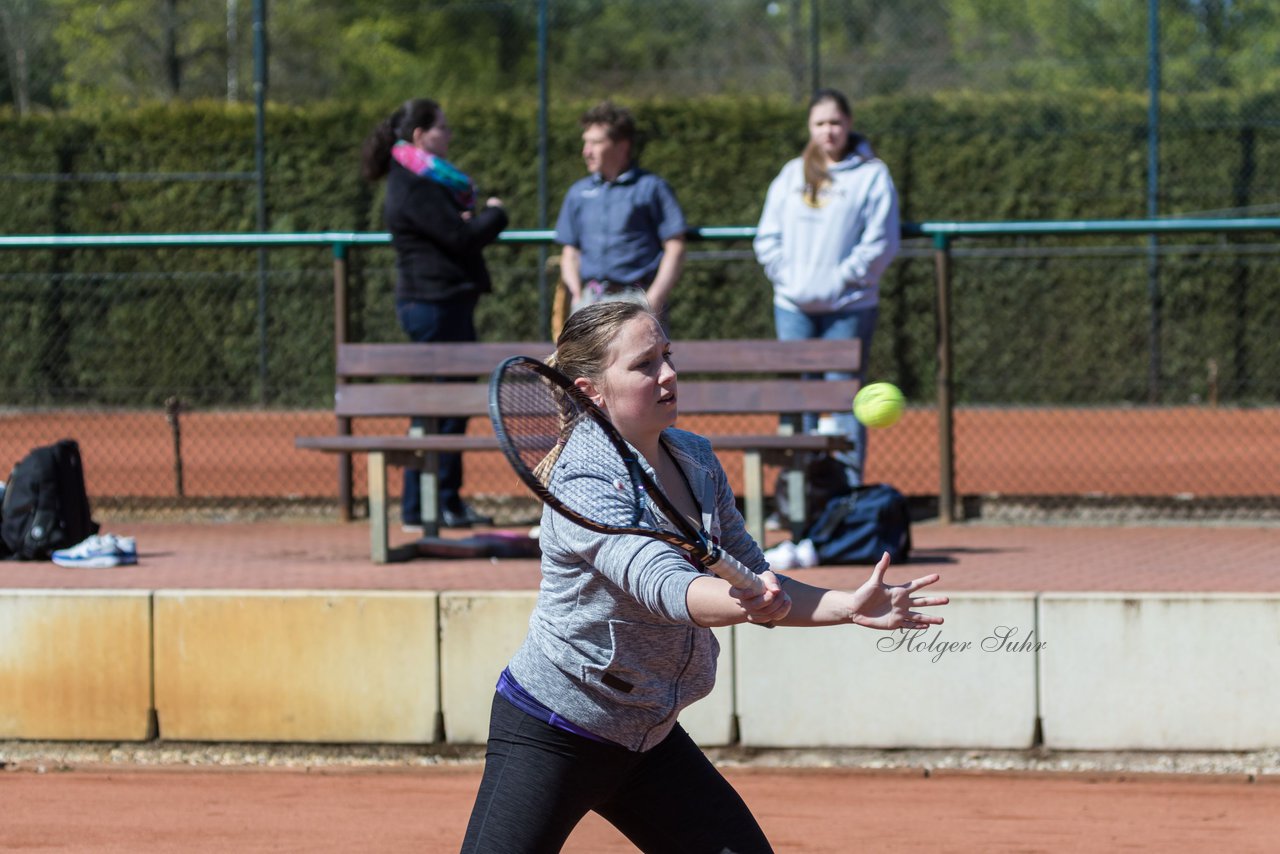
(75,665)
(297,666)
(1161,671)
(1096,671)
(482,631)
(950,686)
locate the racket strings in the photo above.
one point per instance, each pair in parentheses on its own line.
(539,419)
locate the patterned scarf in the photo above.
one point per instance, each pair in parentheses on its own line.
(438,169)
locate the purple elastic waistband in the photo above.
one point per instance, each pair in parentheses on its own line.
(515,694)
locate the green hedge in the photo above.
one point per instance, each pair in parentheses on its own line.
(1044,321)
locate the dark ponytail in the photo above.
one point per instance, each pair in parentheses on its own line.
(375,154)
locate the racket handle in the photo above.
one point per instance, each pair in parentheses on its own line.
(731,570)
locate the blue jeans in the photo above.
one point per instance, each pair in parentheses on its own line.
(849,324)
(434,322)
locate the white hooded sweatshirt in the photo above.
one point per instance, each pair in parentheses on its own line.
(829,257)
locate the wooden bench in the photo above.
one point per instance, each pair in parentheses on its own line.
(733,377)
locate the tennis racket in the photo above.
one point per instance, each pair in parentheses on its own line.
(537,412)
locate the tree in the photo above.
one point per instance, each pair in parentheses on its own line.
(387,50)
(1211,44)
(1057,44)
(1050,44)
(440,49)
(136,50)
(30,57)
(875,48)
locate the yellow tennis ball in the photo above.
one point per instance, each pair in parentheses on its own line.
(879,405)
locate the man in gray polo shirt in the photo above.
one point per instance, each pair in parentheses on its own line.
(621,228)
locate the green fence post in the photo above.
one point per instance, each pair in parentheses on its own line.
(946,426)
(340,332)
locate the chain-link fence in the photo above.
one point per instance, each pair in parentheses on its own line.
(1175,406)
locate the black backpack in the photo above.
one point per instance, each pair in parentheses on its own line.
(45,505)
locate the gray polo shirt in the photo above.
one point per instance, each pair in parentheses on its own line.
(619,226)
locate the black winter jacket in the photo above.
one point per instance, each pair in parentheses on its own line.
(437,251)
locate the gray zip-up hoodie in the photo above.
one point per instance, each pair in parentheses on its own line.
(829,257)
(611,646)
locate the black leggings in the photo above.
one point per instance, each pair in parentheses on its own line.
(540,781)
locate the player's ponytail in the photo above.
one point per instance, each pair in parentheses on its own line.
(375,154)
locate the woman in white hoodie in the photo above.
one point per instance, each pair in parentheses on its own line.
(828,231)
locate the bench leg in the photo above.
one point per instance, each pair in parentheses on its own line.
(429,494)
(344,475)
(797,512)
(378,545)
(753,487)
(428,479)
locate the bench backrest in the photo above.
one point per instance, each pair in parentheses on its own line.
(732,376)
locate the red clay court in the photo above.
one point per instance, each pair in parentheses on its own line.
(809,811)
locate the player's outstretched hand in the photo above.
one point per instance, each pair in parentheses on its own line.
(770,606)
(877,605)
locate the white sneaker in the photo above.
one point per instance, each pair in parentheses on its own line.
(806,554)
(126,547)
(782,556)
(93,553)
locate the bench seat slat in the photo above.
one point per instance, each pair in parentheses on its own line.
(765,356)
(438,443)
(714,397)
(427,400)
(369,361)
(365,444)
(444,360)
(364,400)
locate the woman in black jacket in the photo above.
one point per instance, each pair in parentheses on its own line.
(438,234)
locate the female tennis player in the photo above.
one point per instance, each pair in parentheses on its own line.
(584,717)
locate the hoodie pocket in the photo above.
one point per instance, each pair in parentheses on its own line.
(815,289)
(652,665)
